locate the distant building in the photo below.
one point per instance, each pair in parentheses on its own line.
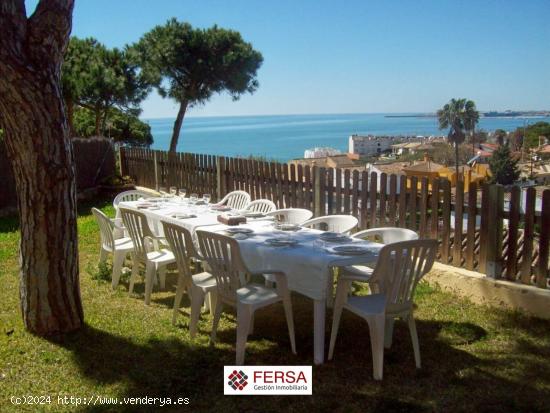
(369,145)
(412,148)
(345,161)
(320,152)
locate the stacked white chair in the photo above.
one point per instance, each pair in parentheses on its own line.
(128,196)
(197,285)
(235,200)
(399,268)
(387,235)
(146,250)
(222,253)
(119,247)
(261,205)
(343,224)
(291,215)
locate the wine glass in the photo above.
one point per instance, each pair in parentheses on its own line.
(173,191)
(206,198)
(181,193)
(193,198)
(163,193)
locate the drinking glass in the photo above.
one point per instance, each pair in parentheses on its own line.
(163,193)
(173,190)
(206,198)
(193,198)
(181,193)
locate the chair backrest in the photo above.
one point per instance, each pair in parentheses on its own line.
(181,244)
(261,205)
(335,223)
(105,229)
(387,235)
(400,267)
(223,255)
(291,215)
(133,195)
(138,228)
(236,200)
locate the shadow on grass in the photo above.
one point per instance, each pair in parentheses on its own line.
(451,379)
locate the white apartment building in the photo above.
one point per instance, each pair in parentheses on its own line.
(320,152)
(369,145)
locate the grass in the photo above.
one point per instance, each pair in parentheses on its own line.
(475,358)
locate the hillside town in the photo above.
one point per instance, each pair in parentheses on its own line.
(431,157)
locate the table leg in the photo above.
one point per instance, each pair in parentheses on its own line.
(319,331)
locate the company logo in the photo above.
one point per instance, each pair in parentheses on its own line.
(237,380)
(251,380)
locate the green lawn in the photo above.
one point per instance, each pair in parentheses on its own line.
(475,358)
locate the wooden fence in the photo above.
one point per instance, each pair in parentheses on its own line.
(480,230)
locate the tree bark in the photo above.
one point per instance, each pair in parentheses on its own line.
(32,114)
(97,121)
(177,125)
(69,104)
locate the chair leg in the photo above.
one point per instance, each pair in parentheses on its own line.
(177,300)
(388,332)
(197,298)
(414,338)
(376,329)
(212,300)
(216,320)
(244,316)
(103,255)
(135,271)
(118,262)
(150,270)
(341,298)
(162,277)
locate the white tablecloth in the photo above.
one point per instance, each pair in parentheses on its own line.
(307,264)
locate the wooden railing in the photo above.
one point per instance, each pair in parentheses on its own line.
(477,229)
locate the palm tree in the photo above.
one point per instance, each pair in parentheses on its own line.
(460,116)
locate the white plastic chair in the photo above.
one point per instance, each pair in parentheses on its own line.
(400,267)
(222,253)
(386,235)
(261,205)
(127,196)
(147,251)
(291,215)
(235,200)
(197,285)
(343,224)
(119,247)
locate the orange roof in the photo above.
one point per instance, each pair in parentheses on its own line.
(424,167)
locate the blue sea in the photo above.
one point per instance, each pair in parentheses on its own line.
(284,137)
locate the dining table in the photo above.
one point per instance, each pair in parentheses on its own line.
(302,254)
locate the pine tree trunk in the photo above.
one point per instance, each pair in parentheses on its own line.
(69,104)
(97,122)
(177,125)
(32,114)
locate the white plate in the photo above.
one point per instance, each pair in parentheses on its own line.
(334,237)
(253,214)
(350,250)
(238,230)
(288,227)
(183,216)
(280,242)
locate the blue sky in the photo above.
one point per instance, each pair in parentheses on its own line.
(357,56)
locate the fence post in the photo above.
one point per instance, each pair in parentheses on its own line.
(220,176)
(156,168)
(122,161)
(493,246)
(317,191)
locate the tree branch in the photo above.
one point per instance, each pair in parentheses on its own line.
(49,30)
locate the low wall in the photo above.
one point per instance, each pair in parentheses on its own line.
(94,160)
(499,293)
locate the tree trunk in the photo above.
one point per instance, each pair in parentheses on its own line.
(32,114)
(97,121)
(177,125)
(456,159)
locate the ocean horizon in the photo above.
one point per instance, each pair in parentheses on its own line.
(285,137)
